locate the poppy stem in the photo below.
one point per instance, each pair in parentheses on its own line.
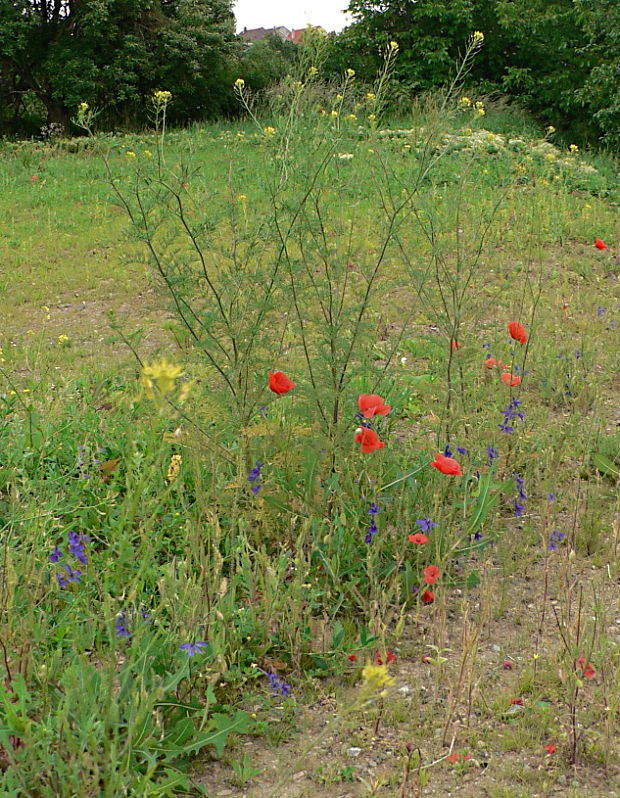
(404,477)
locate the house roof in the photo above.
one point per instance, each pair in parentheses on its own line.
(256,34)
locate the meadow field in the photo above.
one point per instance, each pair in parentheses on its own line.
(310,454)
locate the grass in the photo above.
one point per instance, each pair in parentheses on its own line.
(352,275)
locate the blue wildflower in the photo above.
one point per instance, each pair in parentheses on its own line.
(372,527)
(447,452)
(76,546)
(551,496)
(492,454)
(193,648)
(122,630)
(73,575)
(254,476)
(55,554)
(462,450)
(425,524)
(277,685)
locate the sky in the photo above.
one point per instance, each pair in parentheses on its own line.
(293,14)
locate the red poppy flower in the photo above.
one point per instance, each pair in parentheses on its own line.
(517,701)
(418,537)
(510,379)
(352,657)
(455,757)
(550,749)
(279,383)
(428,597)
(507,665)
(517,331)
(389,657)
(431,573)
(600,244)
(36,177)
(447,465)
(588,670)
(369,439)
(455,344)
(371,404)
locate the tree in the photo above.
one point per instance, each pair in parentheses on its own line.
(114,53)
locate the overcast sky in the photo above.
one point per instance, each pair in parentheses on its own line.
(291,13)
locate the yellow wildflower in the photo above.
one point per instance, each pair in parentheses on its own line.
(573,148)
(376,679)
(478,37)
(465,102)
(371,95)
(339,96)
(269,131)
(130,154)
(334,113)
(239,84)
(480,108)
(63,339)
(372,117)
(148,153)
(162,97)
(550,129)
(160,375)
(312,71)
(393,46)
(83,107)
(174,467)
(350,73)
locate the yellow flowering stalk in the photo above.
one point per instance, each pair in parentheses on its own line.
(159,377)
(162,97)
(376,679)
(174,467)
(350,73)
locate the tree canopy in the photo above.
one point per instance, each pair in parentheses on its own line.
(113,54)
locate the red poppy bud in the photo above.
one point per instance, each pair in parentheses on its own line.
(600,244)
(428,597)
(352,657)
(279,383)
(550,748)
